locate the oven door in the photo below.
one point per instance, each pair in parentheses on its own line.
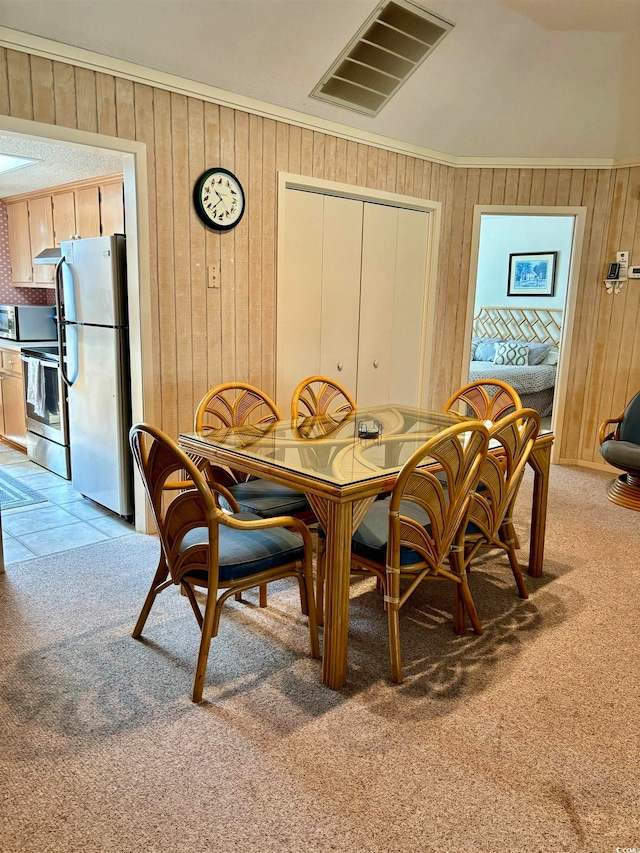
(46,412)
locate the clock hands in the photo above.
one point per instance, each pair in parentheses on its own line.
(223,202)
(212,207)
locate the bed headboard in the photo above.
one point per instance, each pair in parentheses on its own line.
(543,325)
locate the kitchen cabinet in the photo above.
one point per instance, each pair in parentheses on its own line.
(41,236)
(13,424)
(360,270)
(20,243)
(112,208)
(44,219)
(64,216)
(87,212)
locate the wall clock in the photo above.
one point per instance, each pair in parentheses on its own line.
(219,199)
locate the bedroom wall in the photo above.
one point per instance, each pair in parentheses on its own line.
(502,235)
(202,336)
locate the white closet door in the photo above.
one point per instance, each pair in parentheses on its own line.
(299,303)
(351,298)
(406,373)
(392,305)
(341,265)
(379,242)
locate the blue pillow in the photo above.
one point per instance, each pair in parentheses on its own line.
(537,352)
(486,350)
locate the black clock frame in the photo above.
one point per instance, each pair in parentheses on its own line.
(197,199)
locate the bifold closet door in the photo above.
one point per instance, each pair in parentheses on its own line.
(351,297)
(341,271)
(318,291)
(392,305)
(299,294)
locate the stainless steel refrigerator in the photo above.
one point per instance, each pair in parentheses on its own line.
(94,348)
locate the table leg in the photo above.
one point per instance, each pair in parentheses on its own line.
(540,461)
(336,613)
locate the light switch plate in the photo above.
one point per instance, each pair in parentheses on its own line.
(212,276)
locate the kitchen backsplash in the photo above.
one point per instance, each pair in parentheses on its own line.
(10,295)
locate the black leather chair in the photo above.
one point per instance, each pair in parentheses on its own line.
(621,448)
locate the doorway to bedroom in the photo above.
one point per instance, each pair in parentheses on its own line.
(522,276)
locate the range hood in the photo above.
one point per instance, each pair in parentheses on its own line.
(48,256)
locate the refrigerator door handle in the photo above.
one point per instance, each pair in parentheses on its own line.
(62,328)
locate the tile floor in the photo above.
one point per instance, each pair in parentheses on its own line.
(65,520)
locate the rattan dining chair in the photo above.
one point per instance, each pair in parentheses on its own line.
(205,547)
(409,536)
(490,524)
(319,395)
(489,400)
(236,404)
(486,399)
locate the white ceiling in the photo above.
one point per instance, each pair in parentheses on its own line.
(57,164)
(514,79)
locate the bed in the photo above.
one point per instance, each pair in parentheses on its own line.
(514,334)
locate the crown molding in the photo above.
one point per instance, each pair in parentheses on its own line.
(57,51)
(627,162)
(57,189)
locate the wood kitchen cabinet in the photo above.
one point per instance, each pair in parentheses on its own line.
(44,219)
(112,208)
(64,216)
(30,231)
(20,243)
(41,234)
(88,212)
(13,422)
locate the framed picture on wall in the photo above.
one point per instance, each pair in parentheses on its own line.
(532,274)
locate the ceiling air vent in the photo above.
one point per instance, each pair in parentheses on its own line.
(383,54)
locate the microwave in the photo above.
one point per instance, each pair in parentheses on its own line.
(28,322)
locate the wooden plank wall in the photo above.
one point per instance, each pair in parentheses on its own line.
(203,336)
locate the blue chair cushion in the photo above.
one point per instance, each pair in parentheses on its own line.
(630,426)
(370,539)
(440,475)
(247,552)
(622,454)
(268,500)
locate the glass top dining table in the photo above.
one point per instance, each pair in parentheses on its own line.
(342,462)
(337,450)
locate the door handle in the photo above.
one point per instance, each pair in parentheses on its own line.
(339,365)
(375,362)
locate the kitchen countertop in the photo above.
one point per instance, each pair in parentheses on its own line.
(6,343)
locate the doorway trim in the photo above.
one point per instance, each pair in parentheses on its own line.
(138,267)
(568,319)
(288,180)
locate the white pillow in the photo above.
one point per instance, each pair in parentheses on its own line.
(551,357)
(511,352)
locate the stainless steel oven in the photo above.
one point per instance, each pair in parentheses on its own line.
(46,410)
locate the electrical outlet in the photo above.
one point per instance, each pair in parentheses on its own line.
(212,276)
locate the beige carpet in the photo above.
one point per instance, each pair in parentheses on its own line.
(524,739)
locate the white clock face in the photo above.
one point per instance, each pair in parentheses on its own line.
(222,199)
